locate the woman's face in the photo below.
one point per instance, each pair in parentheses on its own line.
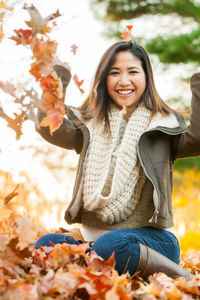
(126,81)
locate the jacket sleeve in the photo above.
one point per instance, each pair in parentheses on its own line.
(67,136)
(187,144)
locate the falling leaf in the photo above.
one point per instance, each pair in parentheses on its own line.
(16,123)
(44,51)
(2,15)
(3,5)
(53,16)
(78,83)
(37,23)
(11,195)
(23,37)
(1,33)
(127,35)
(74,49)
(8,88)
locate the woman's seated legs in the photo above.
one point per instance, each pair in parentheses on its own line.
(55,238)
(124,243)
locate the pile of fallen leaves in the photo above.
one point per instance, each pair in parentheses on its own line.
(66,271)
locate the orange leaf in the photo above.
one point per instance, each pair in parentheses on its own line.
(1,33)
(48,98)
(35,70)
(11,195)
(74,49)
(127,35)
(23,37)
(129,27)
(78,83)
(44,51)
(3,5)
(54,117)
(2,14)
(14,124)
(49,82)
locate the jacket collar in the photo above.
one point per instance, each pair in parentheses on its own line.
(171,123)
(167,123)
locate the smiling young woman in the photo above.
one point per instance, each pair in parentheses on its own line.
(128,139)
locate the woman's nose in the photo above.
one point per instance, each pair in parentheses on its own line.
(124,80)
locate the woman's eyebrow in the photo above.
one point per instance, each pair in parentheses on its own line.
(116,68)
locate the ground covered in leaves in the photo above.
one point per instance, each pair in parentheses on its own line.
(74,272)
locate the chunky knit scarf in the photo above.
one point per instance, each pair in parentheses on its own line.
(113,177)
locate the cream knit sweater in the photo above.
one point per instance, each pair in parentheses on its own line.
(113,177)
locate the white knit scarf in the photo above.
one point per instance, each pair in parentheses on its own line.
(113,177)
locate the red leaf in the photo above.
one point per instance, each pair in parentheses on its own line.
(74,49)
(127,35)
(78,83)
(23,37)
(49,83)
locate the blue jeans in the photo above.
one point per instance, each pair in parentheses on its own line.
(123,242)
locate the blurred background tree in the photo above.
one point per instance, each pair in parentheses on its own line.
(170,48)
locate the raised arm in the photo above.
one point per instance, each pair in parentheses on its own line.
(68,135)
(188,143)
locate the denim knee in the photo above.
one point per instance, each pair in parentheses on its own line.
(55,238)
(126,250)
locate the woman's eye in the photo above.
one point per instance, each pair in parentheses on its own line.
(133,72)
(114,73)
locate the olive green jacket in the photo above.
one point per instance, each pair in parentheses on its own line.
(166,139)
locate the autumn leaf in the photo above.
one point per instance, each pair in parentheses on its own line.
(44,51)
(1,33)
(49,83)
(48,99)
(54,117)
(74,49)
(3,5)
(38,24)
(127,35)
(15,123)
(35,70)
(53,16)
(8,88)
(2,15)
(23,37)
(11,195)
(78,83)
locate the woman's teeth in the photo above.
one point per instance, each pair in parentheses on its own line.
(124,92)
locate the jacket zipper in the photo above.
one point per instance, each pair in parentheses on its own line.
(154,217)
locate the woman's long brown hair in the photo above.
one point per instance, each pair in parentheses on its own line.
(97,104)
